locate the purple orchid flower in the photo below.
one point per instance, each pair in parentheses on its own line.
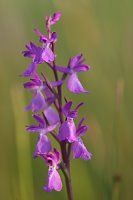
(67,129)
(78,147)
(36,85)
(51,20)
(39,55)
(54,180)
(75,65)
(43,145)
(38,101)
(44,39)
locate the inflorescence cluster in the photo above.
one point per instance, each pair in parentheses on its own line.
(52,112)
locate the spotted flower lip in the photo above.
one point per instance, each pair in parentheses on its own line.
(75,66)
(53,159)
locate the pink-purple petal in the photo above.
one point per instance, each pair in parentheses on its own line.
(34,129)
(49,101)
(57,83)
(47,55)
(53,37)
(74,85)
(40,120)
(30,86)
(75,60)
(54,181)
(38,102)
(66,108)
(67,131)
(50,128)
(43,38)
(73,114)
(57,156)
(51,115)
(81,68)
(55,17)
(31,69)
(51,20)
(52,159)
(81,130)
(80,151)
(65,70)
(43,145)
(80,122)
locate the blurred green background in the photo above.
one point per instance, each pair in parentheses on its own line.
(103,31)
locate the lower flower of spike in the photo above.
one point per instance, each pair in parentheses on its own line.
(53,159)
(43,145)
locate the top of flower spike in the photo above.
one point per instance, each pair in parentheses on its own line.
(51,20)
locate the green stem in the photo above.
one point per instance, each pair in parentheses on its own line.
(65,154)
(69,182)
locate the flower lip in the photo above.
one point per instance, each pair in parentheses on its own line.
(74,85)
